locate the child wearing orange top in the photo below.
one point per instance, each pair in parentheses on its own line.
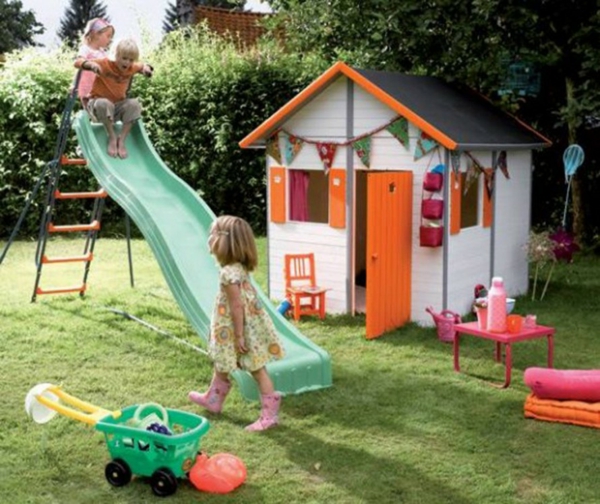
(108,102)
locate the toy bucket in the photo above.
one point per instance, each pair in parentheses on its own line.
(445,321)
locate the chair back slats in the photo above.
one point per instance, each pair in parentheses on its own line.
(299,270)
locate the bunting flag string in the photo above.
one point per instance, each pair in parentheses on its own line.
(476,168)
(273,149)
(362,148)
(397,127)
(347,142)
(425,144)
(291,147)
(502,164)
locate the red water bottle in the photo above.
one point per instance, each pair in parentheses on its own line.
(496,321)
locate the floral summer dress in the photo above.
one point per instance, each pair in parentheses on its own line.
(261,339)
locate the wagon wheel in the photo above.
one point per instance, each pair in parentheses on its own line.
(117,472)
(163,482)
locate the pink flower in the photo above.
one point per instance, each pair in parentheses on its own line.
(564,245)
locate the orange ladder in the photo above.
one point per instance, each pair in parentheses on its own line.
(48,228)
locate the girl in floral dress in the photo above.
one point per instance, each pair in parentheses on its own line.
(241,333)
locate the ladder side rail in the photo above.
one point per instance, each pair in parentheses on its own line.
(32,195)
(61,143)
(129,254)
(90,241)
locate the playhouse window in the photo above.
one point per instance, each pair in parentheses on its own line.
(309,196)
(469,202)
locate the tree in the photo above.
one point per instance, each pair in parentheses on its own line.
(76,17)
(17,27)
(171,21)
(474,41)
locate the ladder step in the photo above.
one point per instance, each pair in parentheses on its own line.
(61,290)
(100,193)
(81,258)
(93,226)
(64,160)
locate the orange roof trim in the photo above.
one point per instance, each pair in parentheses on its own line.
(340,68)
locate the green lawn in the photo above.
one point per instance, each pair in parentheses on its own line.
(398,425)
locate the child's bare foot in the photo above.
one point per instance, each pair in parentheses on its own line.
(121,149)
(112,147)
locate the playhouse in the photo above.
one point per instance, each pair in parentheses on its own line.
(408,190)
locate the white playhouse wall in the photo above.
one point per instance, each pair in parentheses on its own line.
(325,119)
(477,253)
(512,218)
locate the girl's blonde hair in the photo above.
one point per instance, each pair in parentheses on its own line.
(127,48)
(231,240)
(95,26)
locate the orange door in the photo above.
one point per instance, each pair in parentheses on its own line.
(389,244)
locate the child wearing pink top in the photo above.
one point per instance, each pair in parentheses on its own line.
(96,39)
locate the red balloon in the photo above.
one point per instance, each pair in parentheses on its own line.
(222,473)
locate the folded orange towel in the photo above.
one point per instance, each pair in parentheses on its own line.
(582,413)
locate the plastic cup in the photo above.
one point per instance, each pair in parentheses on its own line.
(36,410)
(514,323)
(530,322)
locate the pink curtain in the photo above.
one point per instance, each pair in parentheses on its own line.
(298,195)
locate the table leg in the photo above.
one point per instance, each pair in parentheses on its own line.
(550,350)
(456,347)
(498,352)
(508,365)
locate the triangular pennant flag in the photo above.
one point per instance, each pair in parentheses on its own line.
(399,129)
(501,163)
(273,147)
(291,147)
(363,150)
(472,174)
(425,144)
(489,174)
(326,153)
(455,165)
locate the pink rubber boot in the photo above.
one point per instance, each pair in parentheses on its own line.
(269,413)
(214,397)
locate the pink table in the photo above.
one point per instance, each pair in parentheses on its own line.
(506,339)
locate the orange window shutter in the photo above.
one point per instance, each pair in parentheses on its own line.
(277,194)
(337,198)
(455,200)
(487,208)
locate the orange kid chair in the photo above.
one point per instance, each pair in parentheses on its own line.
(301,288)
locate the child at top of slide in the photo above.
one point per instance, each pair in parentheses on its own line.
(108,101)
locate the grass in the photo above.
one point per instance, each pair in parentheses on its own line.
(398,426)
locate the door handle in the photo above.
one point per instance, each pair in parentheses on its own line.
(374,256)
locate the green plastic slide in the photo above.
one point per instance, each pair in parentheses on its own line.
(175,222)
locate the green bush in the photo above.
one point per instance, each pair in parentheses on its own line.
(33,92)
(205,97)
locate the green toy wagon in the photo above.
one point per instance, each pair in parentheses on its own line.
(133,449)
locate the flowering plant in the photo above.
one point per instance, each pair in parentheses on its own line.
(545,248)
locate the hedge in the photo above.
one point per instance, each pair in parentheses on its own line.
(204,97)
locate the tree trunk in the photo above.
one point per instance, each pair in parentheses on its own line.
(576,197)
